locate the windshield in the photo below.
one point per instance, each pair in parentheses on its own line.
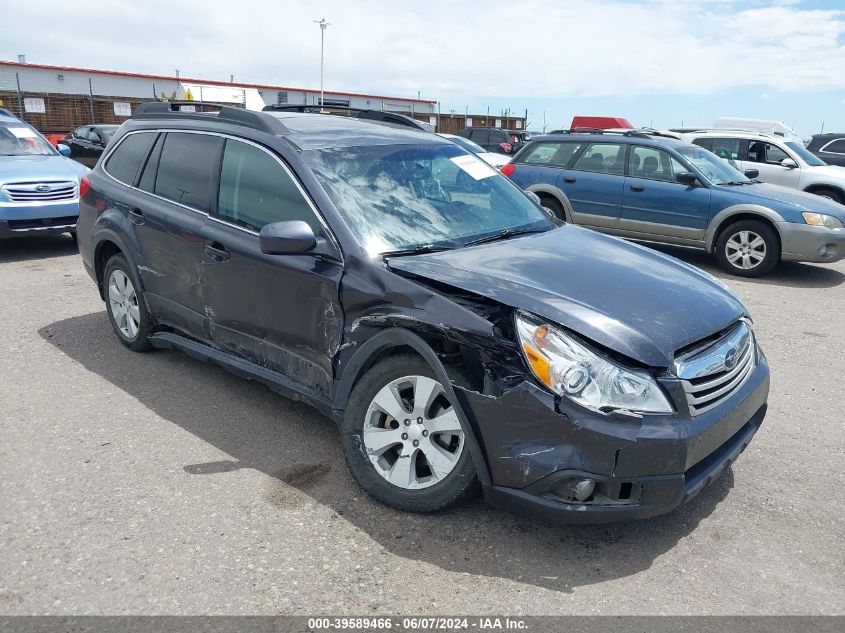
(467,144)
(396,197)
(711,166)
(808,157)
(22,140)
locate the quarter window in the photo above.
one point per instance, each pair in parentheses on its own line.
(603,158)
(255,190)
(126,159)
(185,168)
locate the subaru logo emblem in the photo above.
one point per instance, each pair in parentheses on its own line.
(42,188)
(731,357)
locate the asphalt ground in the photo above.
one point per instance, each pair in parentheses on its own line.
(157,484)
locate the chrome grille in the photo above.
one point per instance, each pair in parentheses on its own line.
(712,373)
(40,191)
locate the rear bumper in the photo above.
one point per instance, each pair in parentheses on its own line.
(805,243)
(20,220)
(642,467)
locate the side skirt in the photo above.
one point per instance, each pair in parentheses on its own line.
(275,381)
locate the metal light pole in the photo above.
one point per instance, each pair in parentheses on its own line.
(323,24)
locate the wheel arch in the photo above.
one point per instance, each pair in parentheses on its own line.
(728,216)
(816,187)
(108,244)
(542,189)
(400,340)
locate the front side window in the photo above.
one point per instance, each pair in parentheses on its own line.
(394,197)
(255,190)
(556,154)
(21,140)
(762,152)
(125,160)
(654,164)
(186,167)
(603,158)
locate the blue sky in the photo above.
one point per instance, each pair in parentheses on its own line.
(656,62)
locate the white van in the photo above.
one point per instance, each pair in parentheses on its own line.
(765,126)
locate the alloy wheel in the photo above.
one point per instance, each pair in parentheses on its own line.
(745,249)
(123,302)
(412,434)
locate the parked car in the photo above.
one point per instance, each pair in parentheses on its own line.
(39,187)
(493,158)
(87,143)
(599,122)
(494,139)
(829,147)
(779,162)
(457,335)
(659,189)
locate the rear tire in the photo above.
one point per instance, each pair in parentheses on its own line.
(436,472)
(125,304)
(748,248)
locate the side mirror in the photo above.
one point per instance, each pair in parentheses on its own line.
(752,173)
(686,178)
(788,163)
(63,149)
(292,237)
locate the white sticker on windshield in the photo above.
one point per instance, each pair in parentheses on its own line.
(23,132)
(475,167)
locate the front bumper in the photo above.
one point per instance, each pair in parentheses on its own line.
(805,243)
(20,220)
(643,466)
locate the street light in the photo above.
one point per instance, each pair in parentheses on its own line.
(323,24)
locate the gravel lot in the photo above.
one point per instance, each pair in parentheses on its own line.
(156,484)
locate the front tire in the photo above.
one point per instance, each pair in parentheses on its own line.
(748,248)
(404,442)
(125,305)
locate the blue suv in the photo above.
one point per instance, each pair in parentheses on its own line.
(643,186)
(39,187)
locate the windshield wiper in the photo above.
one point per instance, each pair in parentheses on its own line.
(416,250)
(504,234)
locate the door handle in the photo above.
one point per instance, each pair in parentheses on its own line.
(568,179)
(637,188)
(136,215)
(217,252)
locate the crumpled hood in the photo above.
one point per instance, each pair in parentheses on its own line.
(54,167)
(762,193)
(639,302)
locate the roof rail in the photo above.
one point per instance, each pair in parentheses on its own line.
(376,116)
(226,114)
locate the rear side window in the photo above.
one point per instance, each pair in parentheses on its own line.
(255,190)
(185,168)
(125,160)
(727,148)
(482,137)
(554,154)
(603,158)
(835,147)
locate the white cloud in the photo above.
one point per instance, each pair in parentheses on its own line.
(450,49)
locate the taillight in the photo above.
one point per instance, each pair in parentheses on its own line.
(507,147)
(508,169)
(84,186)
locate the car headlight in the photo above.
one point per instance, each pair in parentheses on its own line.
(822,219)
(569,368)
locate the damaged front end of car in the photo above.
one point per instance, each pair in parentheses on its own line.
(538,449)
